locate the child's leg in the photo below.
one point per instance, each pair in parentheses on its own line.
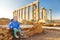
(14,29)
(19,31)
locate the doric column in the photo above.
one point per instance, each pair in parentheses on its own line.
(32,12)
(13,13)
(44,14)
(37,11)
(28,13)
(51,14)
(24,13)
(16,13)
(19,15)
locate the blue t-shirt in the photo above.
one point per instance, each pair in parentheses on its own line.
(14,24)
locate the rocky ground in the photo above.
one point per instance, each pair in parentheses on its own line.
(47,35)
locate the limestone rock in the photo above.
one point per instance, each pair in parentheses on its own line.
(5,34)
(34,30)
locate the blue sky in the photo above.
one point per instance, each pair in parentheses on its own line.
(8,6)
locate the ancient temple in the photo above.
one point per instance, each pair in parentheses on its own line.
(35,12)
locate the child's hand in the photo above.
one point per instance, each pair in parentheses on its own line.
(8,28)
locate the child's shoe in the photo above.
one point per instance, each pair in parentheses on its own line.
(17,36)
(21,34)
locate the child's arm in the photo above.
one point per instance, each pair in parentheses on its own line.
(10,25)
(18,25)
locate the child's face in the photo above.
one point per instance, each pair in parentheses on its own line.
(15,19)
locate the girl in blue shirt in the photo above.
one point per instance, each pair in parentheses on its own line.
(15,25)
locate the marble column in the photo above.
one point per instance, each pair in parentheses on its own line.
(37,11)
(17,14)
(21,14)
(24,13)
(32,12)
(28,13)
(44,14)
(13,13)
(51,14)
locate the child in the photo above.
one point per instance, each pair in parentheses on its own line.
(15,25)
